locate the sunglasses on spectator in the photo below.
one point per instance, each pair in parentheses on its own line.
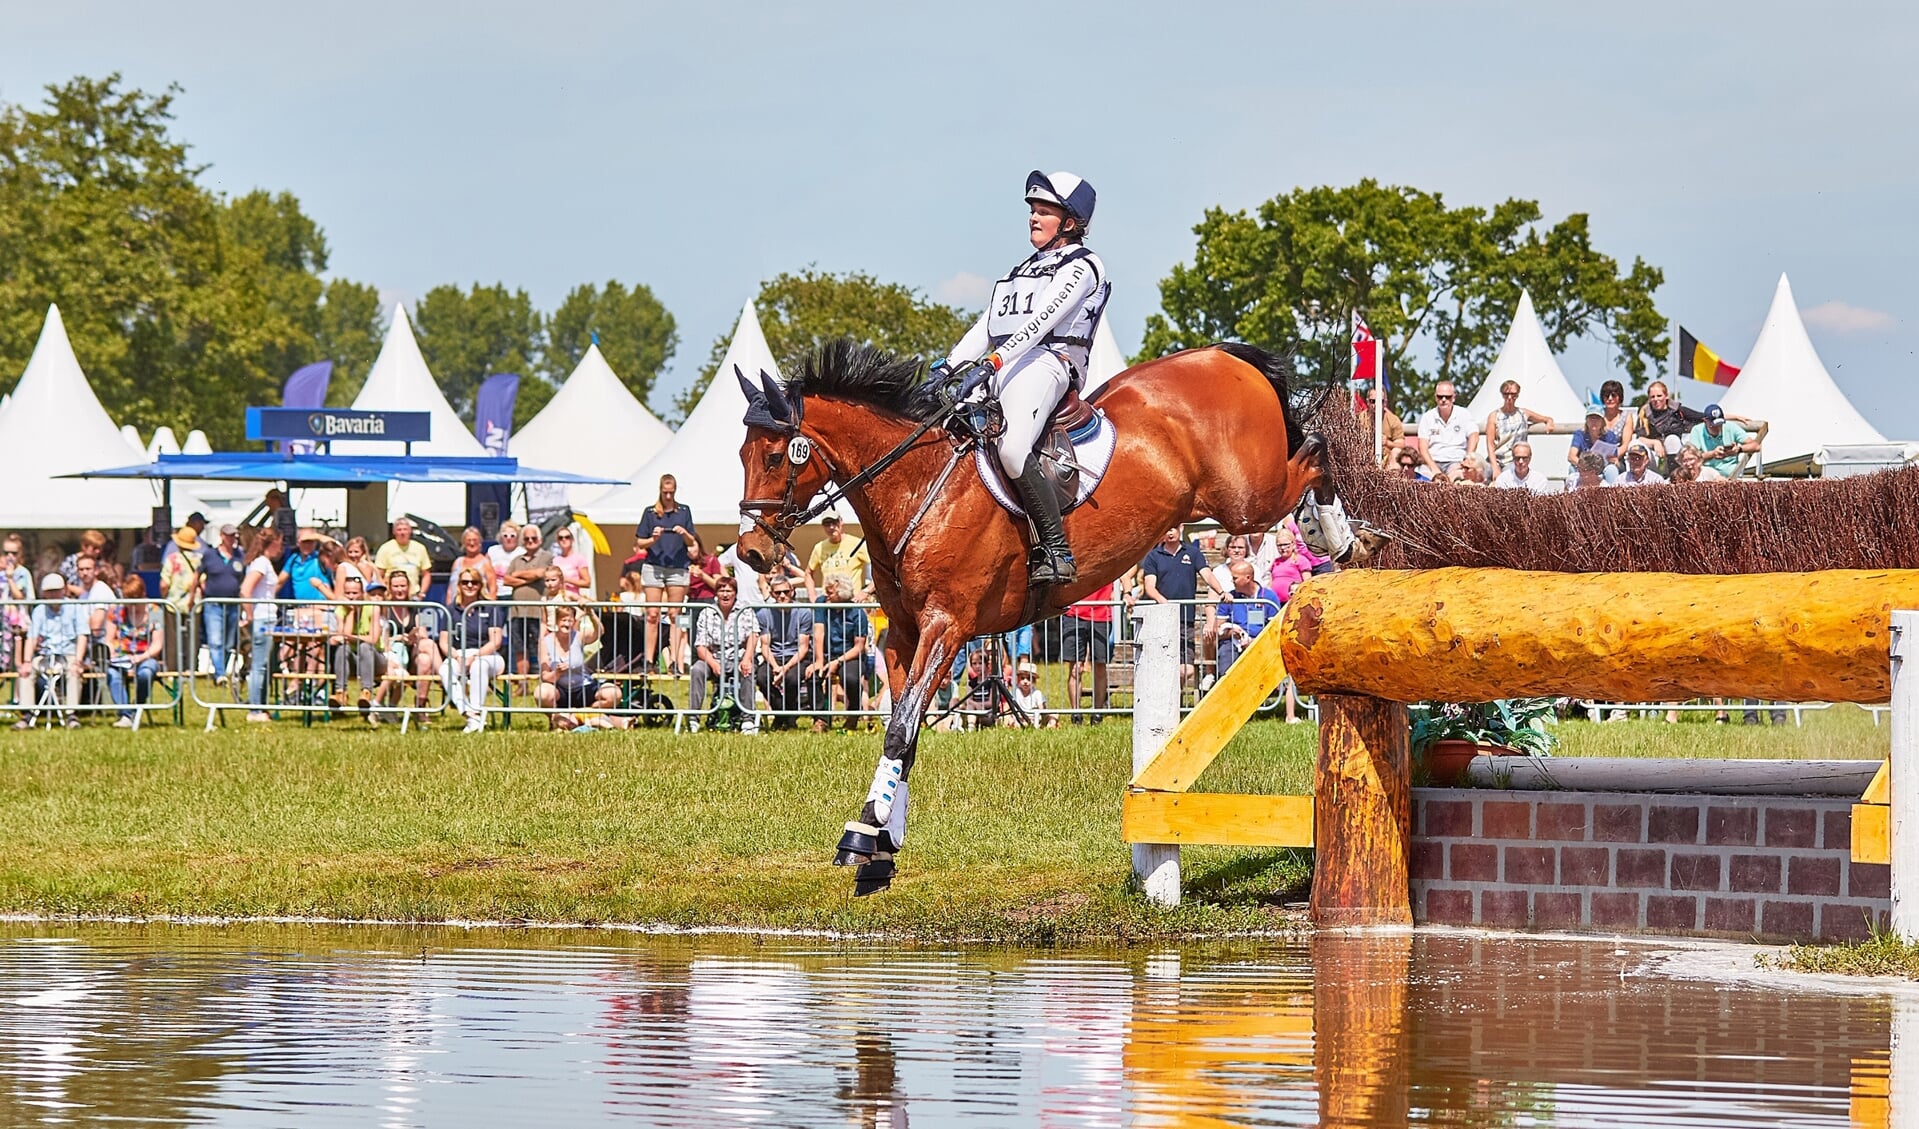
(469,584)
(1442,396)
(1522,458)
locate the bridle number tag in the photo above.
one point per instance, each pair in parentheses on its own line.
(798,450)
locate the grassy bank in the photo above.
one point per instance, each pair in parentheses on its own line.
(1882,955)
(1015,836)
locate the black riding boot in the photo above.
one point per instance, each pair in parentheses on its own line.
(1052,561)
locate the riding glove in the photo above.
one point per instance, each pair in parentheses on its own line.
(974,375)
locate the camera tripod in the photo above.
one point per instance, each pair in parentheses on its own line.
(998,698)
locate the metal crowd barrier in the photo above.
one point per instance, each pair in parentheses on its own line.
(1084,667)
(1596,711)
(299,677)
(39,694)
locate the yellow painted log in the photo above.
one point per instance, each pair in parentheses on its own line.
(1219,715)
(1217,818)
(1880,790)
(1871,833)
(1472,634)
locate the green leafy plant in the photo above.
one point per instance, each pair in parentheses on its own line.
(1520,724)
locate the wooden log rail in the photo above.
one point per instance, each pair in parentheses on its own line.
(1470,635)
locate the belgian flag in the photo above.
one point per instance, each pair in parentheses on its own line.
(1696,362)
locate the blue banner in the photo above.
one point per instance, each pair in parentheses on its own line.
(493,411)
(306,388)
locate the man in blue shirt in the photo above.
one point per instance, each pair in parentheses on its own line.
(1174,572)
(839,649)
(1239,618)
(53,648)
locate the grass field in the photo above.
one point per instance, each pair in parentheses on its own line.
(1015,835)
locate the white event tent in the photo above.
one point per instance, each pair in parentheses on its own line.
(1786,384)
(1526,358)
(704,454)
(1105,361)
(164,442)
(55,425)
(400,382)
(593,426)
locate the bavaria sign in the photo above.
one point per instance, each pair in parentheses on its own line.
(322,425)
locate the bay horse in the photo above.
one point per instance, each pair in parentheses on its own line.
(1204,433)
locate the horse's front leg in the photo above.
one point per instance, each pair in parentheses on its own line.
(922,654)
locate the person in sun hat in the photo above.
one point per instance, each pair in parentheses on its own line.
(54,634)
(1030,699)
(1031,345)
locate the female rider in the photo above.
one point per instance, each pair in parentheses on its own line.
(1031,345)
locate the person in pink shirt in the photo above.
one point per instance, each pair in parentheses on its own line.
(1291,567)
(576,568)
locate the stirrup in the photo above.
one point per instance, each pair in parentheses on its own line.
(1043,569)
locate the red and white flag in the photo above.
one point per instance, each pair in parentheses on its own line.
(1365,359)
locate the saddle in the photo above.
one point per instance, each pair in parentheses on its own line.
(1073,455)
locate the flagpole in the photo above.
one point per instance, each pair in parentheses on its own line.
(1672,357)
(1379,403)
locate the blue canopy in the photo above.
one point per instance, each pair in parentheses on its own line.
(341,470)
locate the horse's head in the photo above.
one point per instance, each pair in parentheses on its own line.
(783,471)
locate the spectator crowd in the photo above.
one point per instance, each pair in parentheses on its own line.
(344,627)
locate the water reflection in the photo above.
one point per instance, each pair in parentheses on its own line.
(393,1027)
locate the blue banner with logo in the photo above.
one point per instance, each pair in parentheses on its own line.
(493,411)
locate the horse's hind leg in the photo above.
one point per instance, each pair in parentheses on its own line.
(871,841)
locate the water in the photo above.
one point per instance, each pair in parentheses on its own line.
(272,1025)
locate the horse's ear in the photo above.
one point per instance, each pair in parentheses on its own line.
(776,401)
(747,387)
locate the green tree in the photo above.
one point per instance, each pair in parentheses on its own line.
(351,330)
(467,336)
(800,311)
(182,307)
(1437,284)
(637,334)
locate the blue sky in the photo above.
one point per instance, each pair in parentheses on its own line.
(702,148)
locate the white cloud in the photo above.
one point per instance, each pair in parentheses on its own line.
(965,289)
(1839,317)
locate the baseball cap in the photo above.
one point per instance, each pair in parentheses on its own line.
(1714,413)
(229,530)
(1026,667)
(1635,449)
(53,581)
(196,515)
(1595,411)
(375,584)
(830,519)
(308,533)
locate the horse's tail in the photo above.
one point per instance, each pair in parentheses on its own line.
(1278,370)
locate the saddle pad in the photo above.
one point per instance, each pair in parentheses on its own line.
(1092,449)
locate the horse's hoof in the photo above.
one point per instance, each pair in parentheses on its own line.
(872,877)
(860,842)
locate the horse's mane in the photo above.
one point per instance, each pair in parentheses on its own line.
(865,374)
(1867,521)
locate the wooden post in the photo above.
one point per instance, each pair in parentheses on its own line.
(1155,716)
(1904,770)
(1362,814)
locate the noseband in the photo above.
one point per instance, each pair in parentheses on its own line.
(788,516)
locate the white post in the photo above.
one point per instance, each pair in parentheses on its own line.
(1905,775)
(1155,716)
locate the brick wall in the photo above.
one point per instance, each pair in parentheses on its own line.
(1773,867)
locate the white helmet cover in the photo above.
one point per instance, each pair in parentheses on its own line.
(1065,189)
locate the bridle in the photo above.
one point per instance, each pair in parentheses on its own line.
(801,450)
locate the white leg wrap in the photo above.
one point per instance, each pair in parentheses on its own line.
(1327,530)
(886,785)
(896,819)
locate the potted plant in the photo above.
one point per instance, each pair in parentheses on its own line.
(1446,736)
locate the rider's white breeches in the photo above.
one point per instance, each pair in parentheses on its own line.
(1028,390)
